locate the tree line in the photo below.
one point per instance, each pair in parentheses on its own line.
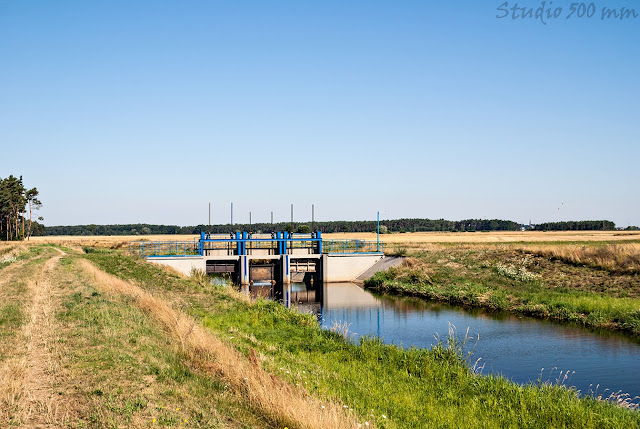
(583,225)
(17,204)
(395,225)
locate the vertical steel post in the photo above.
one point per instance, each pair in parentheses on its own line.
(244,269)
(285,235)
(378,234)
(244,243)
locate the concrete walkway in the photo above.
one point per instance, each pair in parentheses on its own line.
(382,265)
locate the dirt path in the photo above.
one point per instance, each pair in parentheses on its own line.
(13,280)
(29,378)
(41,407)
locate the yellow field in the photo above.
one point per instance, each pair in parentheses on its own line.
(492,237)
(412,238)
(109,241)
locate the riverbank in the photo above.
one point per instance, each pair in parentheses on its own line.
(591,284)
(378,384)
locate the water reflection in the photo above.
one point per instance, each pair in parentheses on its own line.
(519,348)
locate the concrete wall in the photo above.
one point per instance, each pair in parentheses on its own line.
(182,264)
(336,268)
(346,268)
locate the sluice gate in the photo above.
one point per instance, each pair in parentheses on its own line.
(279,257)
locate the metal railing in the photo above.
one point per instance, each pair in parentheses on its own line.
(230,247)
(351,246)
(164,248)
(212,245)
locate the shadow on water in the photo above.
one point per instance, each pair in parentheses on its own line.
(522,349)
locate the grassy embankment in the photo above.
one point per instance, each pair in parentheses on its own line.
(77,351)
(104,365)
(378,384)
(591,284)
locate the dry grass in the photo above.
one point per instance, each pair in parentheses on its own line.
(617,258)
(281,403)
(13,369)
(41,405)
(413,238)
(620,258)
(5,247)
(414,270)
(9,252)
(107,241)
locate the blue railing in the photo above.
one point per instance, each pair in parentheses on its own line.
(242,243)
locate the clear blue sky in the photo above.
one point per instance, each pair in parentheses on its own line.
(131,111)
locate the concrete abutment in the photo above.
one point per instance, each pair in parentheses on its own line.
(327,268)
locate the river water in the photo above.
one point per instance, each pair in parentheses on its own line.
(520,348)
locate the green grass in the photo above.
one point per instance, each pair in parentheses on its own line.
(507,280)
(127,372)
(11,316)
(384,384)
(11,319)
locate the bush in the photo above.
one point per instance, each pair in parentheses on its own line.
(304,229)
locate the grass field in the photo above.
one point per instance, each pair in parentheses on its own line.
(415,239)
(412,239)
(107,340)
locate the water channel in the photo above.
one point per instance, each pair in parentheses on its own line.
(520,348)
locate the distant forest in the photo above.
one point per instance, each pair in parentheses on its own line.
(583,225)
(395,225)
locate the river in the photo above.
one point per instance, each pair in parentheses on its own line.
(522,349)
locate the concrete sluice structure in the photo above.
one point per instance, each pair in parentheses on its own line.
(279,258)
